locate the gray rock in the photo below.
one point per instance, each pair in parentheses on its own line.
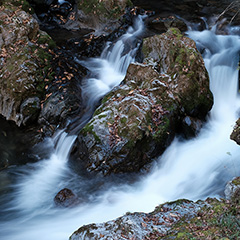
(232,189)
(140,226)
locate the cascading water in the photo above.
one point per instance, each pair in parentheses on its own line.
(109,70)
(188,169)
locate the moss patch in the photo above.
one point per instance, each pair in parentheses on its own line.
(219,220)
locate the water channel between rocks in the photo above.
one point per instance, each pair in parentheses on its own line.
(192,169)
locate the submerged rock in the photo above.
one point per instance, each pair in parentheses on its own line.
(66,198)
(138,119)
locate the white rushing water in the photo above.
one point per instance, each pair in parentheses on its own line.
(191,169)
(109,70)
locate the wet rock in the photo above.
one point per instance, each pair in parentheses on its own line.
(30,109)
(15,144)
(139,226)
(93,45)
(66,198)
(232,190)
(182,219)
(235,135)
(138,119)
(63,96)
(52,13)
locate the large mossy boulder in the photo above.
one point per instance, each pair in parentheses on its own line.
(139,119)
(24,64)
(176,55)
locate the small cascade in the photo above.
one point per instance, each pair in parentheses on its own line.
(109,70)
(221,60)
(46,174)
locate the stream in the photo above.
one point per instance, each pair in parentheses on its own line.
(193,169)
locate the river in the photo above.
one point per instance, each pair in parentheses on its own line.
(194,169)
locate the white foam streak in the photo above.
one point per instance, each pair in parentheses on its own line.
(38,188)
(110,69)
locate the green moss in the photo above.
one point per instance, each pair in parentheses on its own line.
(130,144)
(145,49)
(44,38)
(161,131)
(236,181)
(123,120)
(107,97)
(102,116)
(26,7)
(217,220)
(176,32)
(89,129)
(129,3)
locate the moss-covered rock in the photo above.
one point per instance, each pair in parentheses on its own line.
(176,55)
(135,119)
(138,119)
(25,63)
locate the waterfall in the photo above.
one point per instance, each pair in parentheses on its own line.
(109,70)
(191,169)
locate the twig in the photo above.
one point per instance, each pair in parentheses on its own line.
(235,15)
